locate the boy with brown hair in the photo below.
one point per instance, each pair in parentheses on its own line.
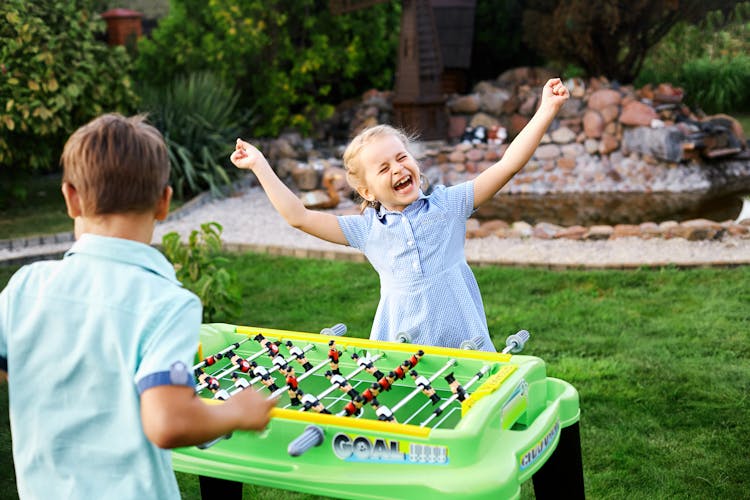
(98,346)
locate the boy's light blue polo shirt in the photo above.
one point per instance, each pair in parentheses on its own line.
(426,286)
(81,338)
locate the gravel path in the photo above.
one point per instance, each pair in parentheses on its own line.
(250,222)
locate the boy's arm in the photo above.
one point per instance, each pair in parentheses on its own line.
(320,224)
(489,182)
(173,416)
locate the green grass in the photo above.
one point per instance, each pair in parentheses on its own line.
(661,359)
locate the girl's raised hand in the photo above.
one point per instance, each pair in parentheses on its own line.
(555,93)
(246,155)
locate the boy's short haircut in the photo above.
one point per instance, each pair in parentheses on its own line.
(117,164)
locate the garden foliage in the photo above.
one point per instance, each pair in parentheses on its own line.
(197,114)
(291,61)
(202,268)
(55,75)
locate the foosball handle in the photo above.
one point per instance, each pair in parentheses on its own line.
(312,436)
(209,444)
(336,330)
(407,336)
(514,343)
(472,344)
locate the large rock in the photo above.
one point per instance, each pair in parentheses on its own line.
(663,143)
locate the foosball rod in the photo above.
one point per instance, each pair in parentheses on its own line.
(417,390)
(482,372)
(352,374)
(219,354)
(301,377)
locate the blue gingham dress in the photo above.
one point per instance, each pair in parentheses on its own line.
(426,287)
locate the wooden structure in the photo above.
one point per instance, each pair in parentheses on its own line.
(419,97)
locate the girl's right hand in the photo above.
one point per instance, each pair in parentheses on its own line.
(246,155)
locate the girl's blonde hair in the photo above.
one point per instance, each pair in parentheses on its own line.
(354,168)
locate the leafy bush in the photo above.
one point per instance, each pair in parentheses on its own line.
(201,268)
(197,115)
(291,61)
(708,60)
(54,76)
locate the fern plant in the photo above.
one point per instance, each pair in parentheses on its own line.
(202,268)
(198,116)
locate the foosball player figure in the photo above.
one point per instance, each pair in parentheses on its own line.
(221,394)
(210,360)
(342,383)
(205,379)
(310,402)
(273,349)
(265,377)
(367,365)
(456,388)
(333,356)
(384,413)
(241,363)
(412,362)
(401,369)
(292,388)
(299,355)
(370,394)
(240,382)
(424,384)
(354,407)
(386,382)
(280,363)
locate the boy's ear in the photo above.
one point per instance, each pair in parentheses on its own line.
(72,200)
(162,206)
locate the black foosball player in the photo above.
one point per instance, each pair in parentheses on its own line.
(241,363)
(280,363)
(299,355)
(273,349)
(239,382)
(333,356)
(424,384)
(354,407)
(265,377)
(204,378)
(456,388)
(221,394)
(310,402)
(367,365)
(342,383)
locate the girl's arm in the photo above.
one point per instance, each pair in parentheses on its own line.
(523,146)
(320,224)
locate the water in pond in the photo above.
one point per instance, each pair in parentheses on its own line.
(586,209)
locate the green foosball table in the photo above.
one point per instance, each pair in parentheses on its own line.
(365,419)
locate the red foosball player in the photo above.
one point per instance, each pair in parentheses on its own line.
(384,413)
(456,388)
(310,402)
(210,360)
(367,365)
(401,369)
(292,388)
(265,377)
(370,394)
(414,358)
(343,384)
(386,382)
(273,349)
(241,363)
(354,407)
(205,379)
(333,356)
(424,384)
(299,355)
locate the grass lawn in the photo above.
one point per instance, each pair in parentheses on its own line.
(661,359)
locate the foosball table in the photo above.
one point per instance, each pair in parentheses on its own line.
(366,419)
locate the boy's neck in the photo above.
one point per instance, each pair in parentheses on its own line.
(129,226)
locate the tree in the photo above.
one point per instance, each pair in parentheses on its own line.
(608,38)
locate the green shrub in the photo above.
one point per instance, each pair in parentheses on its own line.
(291,61)
(54,76)
(197,115)
(202,268)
